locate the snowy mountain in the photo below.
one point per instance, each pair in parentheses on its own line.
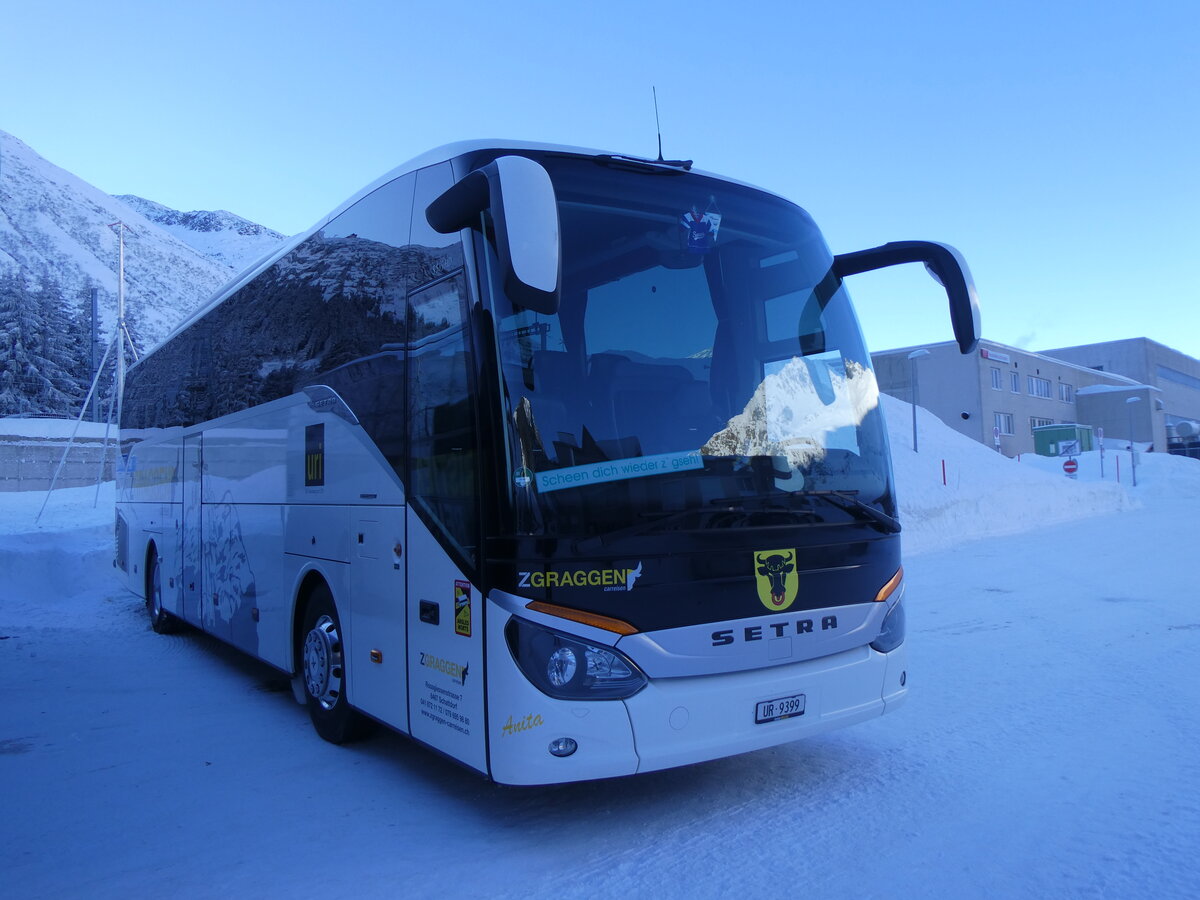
(57,227)
(220,235)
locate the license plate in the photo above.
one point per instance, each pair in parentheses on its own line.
(783,708)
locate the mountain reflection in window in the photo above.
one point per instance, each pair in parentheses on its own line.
(803,408)
(333,309)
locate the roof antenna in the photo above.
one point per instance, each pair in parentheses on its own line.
(684,164)
(657,125)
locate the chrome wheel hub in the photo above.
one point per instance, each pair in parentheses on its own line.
(323,663)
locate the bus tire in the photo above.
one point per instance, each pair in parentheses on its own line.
(161,621)
(323,672)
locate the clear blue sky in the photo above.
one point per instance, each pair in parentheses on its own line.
(1054,143)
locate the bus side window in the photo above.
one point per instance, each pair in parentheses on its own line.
(442,474)
(432,255)
(362,358)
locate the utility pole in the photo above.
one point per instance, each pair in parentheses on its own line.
(122,331)
(912,363)
(118,342)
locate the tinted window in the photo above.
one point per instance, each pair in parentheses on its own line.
(443,480)
(433,255)
(332,304)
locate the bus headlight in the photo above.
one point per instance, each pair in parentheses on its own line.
(891,635)
(570,669)
(562,668)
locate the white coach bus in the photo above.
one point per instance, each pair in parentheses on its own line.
(566,464)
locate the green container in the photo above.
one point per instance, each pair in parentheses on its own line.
(1062,440)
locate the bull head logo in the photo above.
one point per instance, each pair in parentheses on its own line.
(777,580)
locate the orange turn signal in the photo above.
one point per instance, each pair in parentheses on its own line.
(890,588)
(584,618)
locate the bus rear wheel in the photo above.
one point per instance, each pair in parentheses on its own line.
(323,672)
(160,620)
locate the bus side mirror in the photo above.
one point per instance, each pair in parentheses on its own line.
(943,262)
(524,208)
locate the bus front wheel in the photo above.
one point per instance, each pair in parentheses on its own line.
(323,672)
(160,620)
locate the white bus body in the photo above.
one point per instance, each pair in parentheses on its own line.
(561,505)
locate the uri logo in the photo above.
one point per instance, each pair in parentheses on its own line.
(314,455)
(778,583)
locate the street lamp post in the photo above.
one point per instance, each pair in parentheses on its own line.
(1132,452)
(912,362)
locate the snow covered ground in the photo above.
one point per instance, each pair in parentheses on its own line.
(53,428)
(1050,746)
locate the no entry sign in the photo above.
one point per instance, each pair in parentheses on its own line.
(1070,467)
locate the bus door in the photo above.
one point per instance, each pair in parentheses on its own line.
(445,610)
(191,554)
(445,663)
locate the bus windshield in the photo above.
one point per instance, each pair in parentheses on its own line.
(705,367)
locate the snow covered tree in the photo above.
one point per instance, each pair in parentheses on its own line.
(39,355)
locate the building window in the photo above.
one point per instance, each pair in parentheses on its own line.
(1035,422)
(1014,382)
(995,379)
(1039,387)
(1066,393)
(1178,377)
(1004,421)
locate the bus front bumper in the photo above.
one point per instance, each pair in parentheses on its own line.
(677,721)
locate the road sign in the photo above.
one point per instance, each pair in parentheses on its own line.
(1070,467)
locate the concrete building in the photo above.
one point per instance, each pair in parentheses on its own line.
(999,394)
(1175,375)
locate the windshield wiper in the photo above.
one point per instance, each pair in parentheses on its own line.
(706,520)
(641,164)
(848,501)
(845,500)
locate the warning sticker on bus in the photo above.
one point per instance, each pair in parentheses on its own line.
(462,608)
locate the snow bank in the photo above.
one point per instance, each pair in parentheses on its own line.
(46,562)
(67,509)
(1160,476)
(46,428)
(986,494)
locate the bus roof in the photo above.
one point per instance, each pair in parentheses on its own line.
(429,158)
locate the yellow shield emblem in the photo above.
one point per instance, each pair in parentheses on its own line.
(778,583)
